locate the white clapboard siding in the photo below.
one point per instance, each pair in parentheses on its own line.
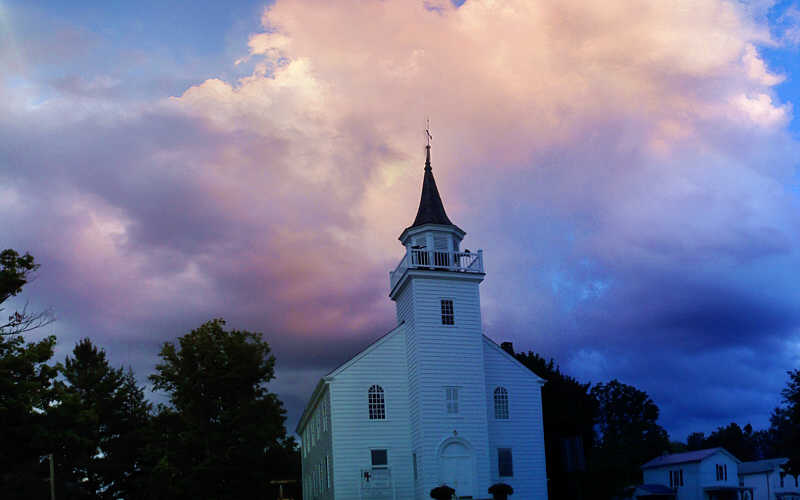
(384,364)
(443,356)
(697,475)
(317,449)
(522,431)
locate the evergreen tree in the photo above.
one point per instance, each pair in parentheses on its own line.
(101,415)
(26,394)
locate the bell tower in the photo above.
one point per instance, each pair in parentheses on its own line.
(436,289)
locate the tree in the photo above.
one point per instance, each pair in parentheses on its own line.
(101,415)
(628,436)
(785,424)
(15,271)
(222,426)
(743,443)
(568,416)
(26,393)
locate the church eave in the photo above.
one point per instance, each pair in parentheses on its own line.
(431,273)
(319,390)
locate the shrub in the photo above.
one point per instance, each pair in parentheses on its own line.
(442,492)
(500,491)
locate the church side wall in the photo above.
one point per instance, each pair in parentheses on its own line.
(522,432)
(355,435)
(450,356)
(317,446)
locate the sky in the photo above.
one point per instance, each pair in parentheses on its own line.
(630,170)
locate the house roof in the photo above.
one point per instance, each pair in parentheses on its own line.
(757,466)
(689,456)
(431,208)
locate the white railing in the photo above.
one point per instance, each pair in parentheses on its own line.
(464,262)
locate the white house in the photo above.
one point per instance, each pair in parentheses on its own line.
(710,474)
(765,480)
(433,401)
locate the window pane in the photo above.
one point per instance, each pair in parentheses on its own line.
(501,403)
(447,312)
(504,464)
(376,403)
(451,394)
(379,458)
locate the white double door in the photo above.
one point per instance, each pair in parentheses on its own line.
(457,468)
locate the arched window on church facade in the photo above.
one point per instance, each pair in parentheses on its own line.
(501,403)
(377,405)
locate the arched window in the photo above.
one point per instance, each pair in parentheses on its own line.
(377,406)
(501,403)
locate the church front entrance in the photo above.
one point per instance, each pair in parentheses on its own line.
(457,468)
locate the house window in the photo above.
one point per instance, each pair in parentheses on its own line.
(448,318)
(451,395)
(505,466)
(380,459)
(722,472)
(675,478)
(327,472)
(377,405)
(501,403)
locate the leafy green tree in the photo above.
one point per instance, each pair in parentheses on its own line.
(785,424)
(101,415)
(26,394)
(743,443)
(628,436)
(696,441)
(15,271)
(222,426)
(569,412)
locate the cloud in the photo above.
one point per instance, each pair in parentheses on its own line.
(626,168)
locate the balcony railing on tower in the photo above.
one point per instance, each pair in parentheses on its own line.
(463,262)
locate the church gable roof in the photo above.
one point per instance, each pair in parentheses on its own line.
(491,343)
(319,390)
(371,347)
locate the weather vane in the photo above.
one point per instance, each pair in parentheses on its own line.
(428,131)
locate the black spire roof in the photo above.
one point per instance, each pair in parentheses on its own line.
(431,209)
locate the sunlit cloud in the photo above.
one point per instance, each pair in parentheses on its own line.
(625,167)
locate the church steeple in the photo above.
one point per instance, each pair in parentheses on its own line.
(433,242)
(431,208)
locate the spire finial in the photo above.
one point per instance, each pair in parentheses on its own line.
(429,137)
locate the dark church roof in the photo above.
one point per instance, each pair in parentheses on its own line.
(431,209)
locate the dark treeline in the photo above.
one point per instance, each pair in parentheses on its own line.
(221,435)
(598,436)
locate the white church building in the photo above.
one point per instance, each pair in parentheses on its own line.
(433,401)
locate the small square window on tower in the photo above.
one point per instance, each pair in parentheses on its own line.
(448,318)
